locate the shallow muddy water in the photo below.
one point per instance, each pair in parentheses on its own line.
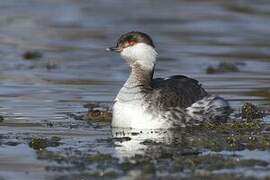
(38,93)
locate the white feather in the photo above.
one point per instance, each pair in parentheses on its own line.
(135,115)
(141,53)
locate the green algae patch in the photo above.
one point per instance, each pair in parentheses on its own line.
(214,162)
(237,136)
(250,112)
(237,126)
(76,161)
(222,68)
(100,157)
(38,143)
(196,152)
(98,116)
(205,151)
(42,143)
(98,112)
(52,156)
(145,165)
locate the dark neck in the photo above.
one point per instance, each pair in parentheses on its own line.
(140,76)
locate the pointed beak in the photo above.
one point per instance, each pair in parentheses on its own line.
(114,49)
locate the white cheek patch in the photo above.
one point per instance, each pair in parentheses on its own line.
(127,54)
(141,53)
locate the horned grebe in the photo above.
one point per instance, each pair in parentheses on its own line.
(147,103)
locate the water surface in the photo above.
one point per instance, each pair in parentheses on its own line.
(75,69)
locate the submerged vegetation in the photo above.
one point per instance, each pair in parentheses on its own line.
(250,112)
(97,113)
(42,143)
(222,68)
(99,116)
(212,151)
(196,152)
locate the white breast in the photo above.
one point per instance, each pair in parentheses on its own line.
(134,115)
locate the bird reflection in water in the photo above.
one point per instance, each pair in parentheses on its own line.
(159,143)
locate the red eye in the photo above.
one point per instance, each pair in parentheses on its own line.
(131,43)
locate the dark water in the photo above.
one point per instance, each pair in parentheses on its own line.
(75,68)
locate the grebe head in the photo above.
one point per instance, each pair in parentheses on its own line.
(136,48)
